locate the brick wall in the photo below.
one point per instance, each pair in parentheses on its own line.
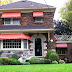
(27,19)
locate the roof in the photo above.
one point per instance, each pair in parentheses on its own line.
(25,4)
(19,27)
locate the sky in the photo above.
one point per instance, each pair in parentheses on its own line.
(56,3)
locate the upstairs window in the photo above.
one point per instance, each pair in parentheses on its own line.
(38,16)
(11,21)
(38,19)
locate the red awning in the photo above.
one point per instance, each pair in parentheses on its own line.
(11,14)
(14,36)
(38,14)
(61,45)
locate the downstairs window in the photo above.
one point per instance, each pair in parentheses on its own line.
(61,50)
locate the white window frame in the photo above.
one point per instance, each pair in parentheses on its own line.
(39,21)
(22,46)
(27,45)
(11,22)
(61,52)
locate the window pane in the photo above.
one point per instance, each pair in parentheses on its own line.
(7,21)
(25,44)
(58,51)
(15,21)
(63,51)
(12,43)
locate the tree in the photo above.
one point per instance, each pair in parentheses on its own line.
(66,13)
(61,28)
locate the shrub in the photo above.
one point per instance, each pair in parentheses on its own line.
(48,53)
(35,60)
(15,56)
(54,62)
(47,61)
(61,61)
(14,62)
(54,57)
(4,60)
(26,63)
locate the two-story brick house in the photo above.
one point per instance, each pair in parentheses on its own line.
(26,27)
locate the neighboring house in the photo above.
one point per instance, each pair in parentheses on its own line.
(25,28)
(64,46)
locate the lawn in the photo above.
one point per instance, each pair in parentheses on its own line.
(37,68)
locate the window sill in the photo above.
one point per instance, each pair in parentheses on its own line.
(14,49)
(61,54)
(38,22)
(12,24)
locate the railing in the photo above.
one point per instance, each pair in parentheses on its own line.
(64,37)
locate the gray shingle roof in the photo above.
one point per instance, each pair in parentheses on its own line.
(18,27)
(26,4)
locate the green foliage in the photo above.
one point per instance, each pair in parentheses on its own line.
(26,63)
(35,60)
(66,13)
(54,57)
(54,62)
(47,61)
(14,62)
(4,60)
(15,56)
(48,53)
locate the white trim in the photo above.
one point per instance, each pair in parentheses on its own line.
(29,30)
(64,42)
(22,46)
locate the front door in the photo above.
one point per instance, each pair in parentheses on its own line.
(38,47)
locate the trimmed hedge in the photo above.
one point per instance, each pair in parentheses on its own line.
(35,60)
(48,53)
(54,57)
(15,56)
(4,60)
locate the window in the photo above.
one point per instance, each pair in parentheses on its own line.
(11,21)
(15,21)
(25,44)
(7,21)
(12,43)
(61,50)
(38,19)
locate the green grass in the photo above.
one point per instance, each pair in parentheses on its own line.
(37,68)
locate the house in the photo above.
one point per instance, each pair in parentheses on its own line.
(26,27)
(64,46)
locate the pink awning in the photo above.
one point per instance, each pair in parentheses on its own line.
(14,36)
(61,45)
(11,14)
(38,14)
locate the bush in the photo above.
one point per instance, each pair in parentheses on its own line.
(15,62)
(47,61)
(54,57)
(54,62)
(4,60)
(15,56)
(26,63)
(61,61)
(35,60)
(48,53)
